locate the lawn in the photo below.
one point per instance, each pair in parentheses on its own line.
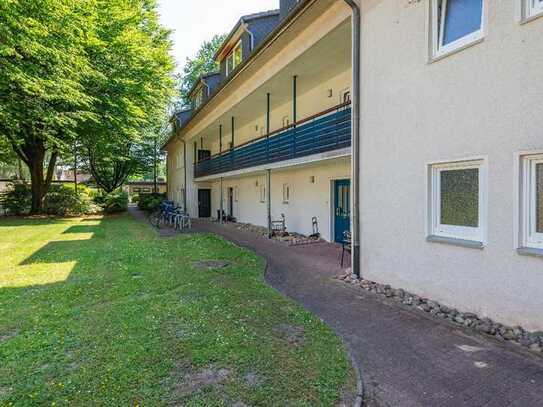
(104,312)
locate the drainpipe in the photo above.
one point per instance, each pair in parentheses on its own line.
(355,141)
(246,29)
(220,139)
(185,177)
(233,131)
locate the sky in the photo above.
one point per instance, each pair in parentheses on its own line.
(194,21)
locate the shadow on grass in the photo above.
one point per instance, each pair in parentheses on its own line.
(82,229)
(29,221)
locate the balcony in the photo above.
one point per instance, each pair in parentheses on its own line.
(327,131)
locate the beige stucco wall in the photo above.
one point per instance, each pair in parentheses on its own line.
(482,101)
(307,199)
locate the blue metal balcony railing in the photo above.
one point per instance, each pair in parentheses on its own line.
(327,131)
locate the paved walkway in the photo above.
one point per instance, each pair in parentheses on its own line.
(406,358)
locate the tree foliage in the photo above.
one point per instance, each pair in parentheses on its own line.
(95,71)
(43,66)
(201,64)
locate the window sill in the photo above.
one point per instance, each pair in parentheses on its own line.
(470,244)
(530,251)
(438,56)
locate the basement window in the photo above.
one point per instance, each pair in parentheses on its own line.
(457,200)
(532,202)
(456,24)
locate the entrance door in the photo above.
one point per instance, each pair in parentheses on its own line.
(231,202)
(204,203)
(342,208)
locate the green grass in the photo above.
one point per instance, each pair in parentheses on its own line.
(104,312)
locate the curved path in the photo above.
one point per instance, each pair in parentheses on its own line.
(406,358)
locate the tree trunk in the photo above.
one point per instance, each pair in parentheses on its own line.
(36,179)
(39,184)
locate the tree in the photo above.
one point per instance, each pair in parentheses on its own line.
(203,63)
(132,90)
(151,156)
(43,65)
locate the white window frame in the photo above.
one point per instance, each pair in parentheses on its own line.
(262,192)
(473,234)
(530,238)
(438,50)
(286,193)
(231,55)
(531,9)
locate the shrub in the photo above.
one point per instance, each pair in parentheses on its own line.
(17,199)
(115,202)
(62,200)
(149,202)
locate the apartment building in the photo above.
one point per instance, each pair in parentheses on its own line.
(451,143)
(451,167)
(270,132)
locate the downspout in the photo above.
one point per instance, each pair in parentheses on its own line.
(246,29)
(355,141)
(185,177)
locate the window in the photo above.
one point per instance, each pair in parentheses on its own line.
(262,192)
(533,8)
(532,202)
(179,159)
(234,58)
(286,193)
(456,24)
(457,200)
(199,97)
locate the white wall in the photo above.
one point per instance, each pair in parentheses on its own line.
(306,199)
(485,100)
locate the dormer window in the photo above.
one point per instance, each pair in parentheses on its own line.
(234,58)
(199,97)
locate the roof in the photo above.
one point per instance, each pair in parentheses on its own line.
(245,19)
(292,14)
(182,116)
(208,77)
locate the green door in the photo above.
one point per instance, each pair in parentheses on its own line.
(342,208)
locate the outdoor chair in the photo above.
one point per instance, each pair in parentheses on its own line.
(279,226)
(346,245)
(182,221)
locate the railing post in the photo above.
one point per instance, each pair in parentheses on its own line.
(233,122)
(268,127)
(294,113)
(220,147)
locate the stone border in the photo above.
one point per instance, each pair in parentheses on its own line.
(517,335)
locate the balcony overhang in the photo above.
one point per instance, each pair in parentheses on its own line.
(292,163)
(318,137)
